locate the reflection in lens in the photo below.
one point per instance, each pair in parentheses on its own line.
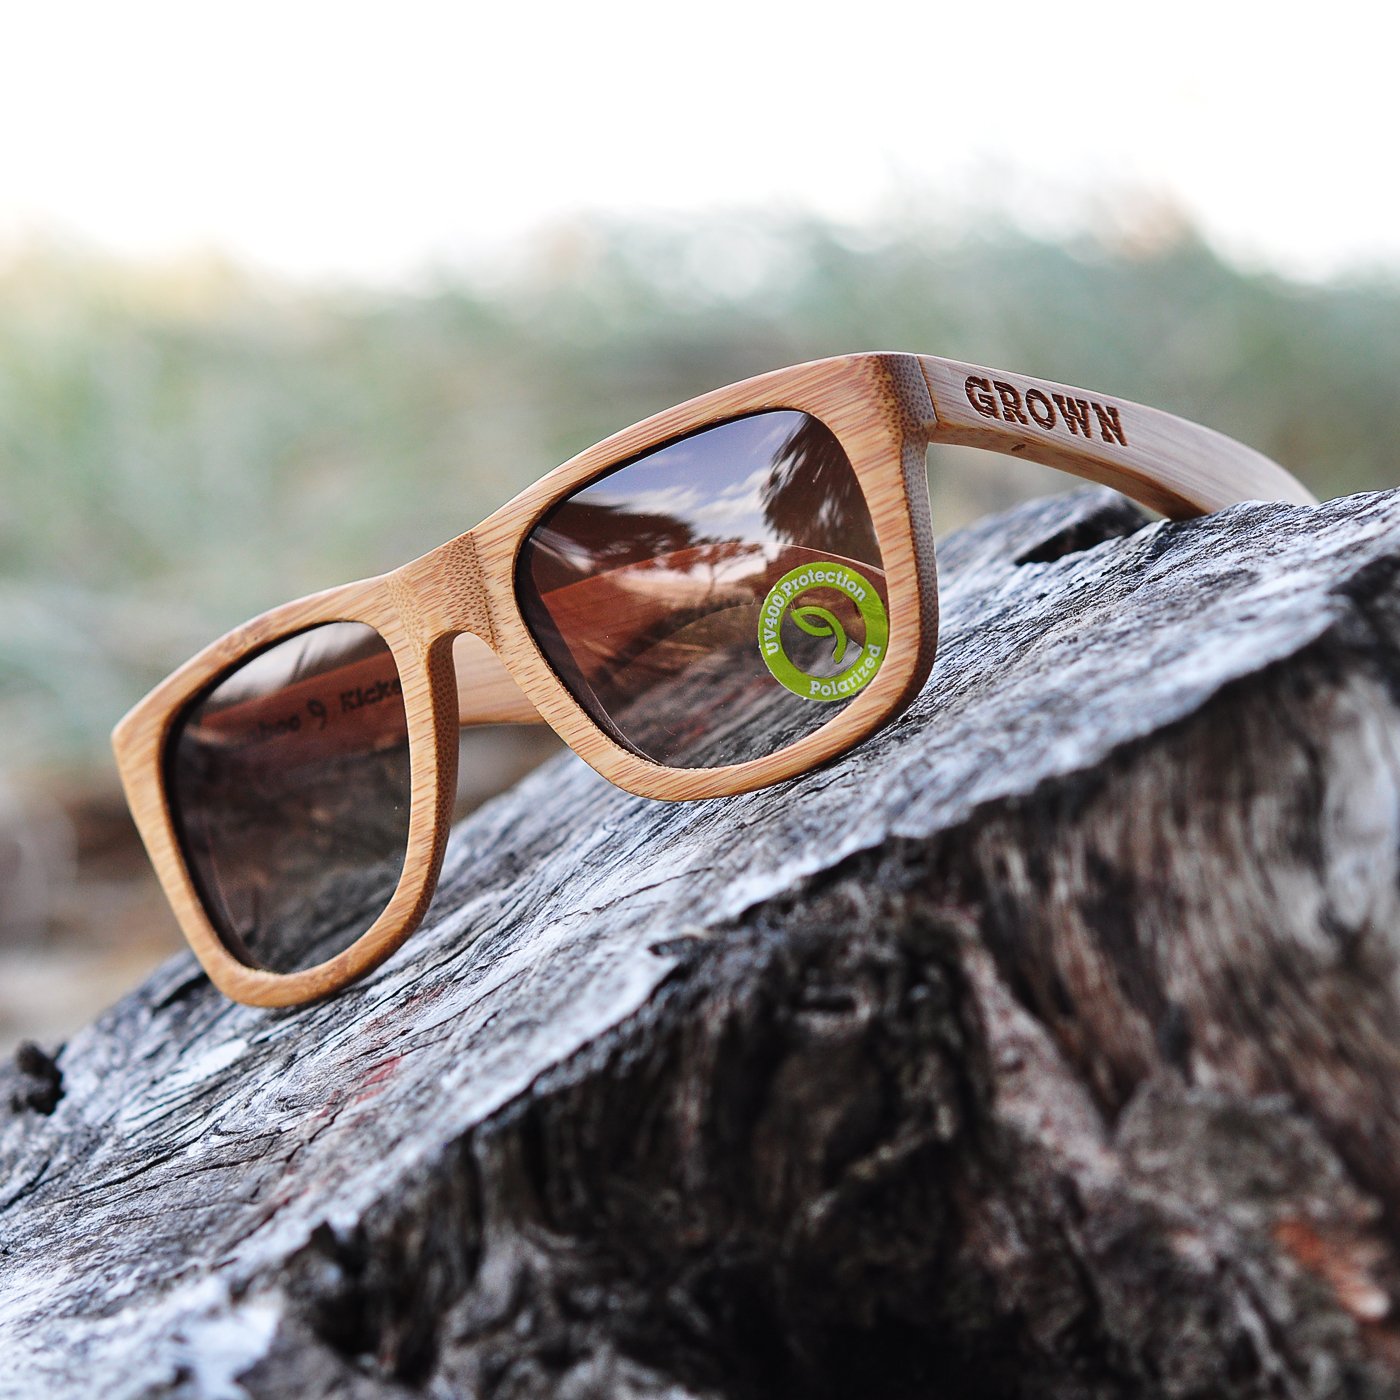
(289,783)
(646,589)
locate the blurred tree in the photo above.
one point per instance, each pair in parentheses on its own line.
(183,447)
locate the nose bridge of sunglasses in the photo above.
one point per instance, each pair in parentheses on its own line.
(443,593)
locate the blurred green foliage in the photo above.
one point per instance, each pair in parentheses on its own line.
(182,448)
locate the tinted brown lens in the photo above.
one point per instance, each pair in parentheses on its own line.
(289,782)
(717,599)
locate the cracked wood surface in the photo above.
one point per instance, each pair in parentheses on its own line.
(1044,1046)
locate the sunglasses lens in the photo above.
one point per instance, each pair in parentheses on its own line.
(289,782)
(717,599)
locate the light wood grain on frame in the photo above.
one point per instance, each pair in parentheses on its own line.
(883,408)
(1174,466)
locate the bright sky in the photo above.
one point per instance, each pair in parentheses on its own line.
(342,139)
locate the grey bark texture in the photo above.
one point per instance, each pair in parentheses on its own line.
(1047,1045)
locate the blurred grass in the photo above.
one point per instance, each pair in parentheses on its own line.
(183,447)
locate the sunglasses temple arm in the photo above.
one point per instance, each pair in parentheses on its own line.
(486,692)
(1167,463)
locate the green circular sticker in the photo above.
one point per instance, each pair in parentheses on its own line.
(824,600)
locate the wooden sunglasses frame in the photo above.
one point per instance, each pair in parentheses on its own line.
(884,409)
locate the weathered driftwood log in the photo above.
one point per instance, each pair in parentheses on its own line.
(1045,1046)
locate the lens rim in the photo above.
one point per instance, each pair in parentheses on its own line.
(181,817)
(429,696)
(524,582)
(879,408)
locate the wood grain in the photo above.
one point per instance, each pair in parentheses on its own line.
(876,405)
(1044,1046)
(884,409)
(1168,463)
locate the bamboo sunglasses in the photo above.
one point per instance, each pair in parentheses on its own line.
(712,600)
